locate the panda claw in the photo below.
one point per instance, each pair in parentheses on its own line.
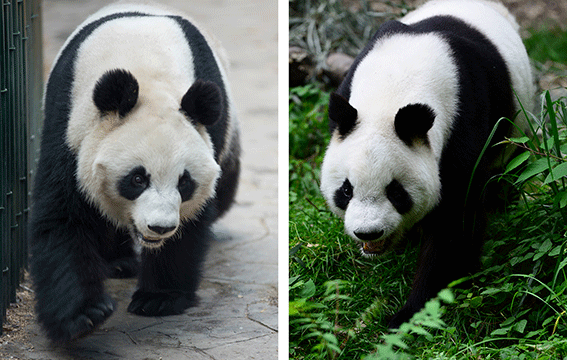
(160,303)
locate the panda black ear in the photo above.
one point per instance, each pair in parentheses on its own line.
(203,102)
(413,121)
(341,115)
(116,90)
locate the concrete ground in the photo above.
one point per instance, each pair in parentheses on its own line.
(237,314)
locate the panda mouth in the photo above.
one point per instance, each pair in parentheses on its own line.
(376,248)
(149,242)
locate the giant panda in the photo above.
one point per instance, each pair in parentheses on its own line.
(409,123)
(139,155)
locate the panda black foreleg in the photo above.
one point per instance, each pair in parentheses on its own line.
(170,275)
(430,277)
(448,252)
(68,274)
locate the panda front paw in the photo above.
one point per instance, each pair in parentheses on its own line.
(162,303)
(83,322)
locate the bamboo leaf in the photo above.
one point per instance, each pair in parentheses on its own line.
(556,173)
(520,140)
(553,123)
(517,161)
(562,199)
(535,168)
(521,326)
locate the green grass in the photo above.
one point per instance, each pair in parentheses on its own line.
(516,307)
(547,45)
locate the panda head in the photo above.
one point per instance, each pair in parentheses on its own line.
(379,172)
(148,162)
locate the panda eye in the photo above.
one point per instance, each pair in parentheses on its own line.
(186,186)
(134,183)
(138,180)
(399,197)
(183,180)
(347,191)
(343,195)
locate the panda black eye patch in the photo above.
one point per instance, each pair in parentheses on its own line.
(186,186)
(134,183)
(343,195)
(399,197)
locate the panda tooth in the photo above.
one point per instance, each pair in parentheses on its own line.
(374,248)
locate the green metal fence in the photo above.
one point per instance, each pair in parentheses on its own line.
(21,73)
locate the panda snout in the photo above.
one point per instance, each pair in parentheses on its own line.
(369,235)
(161,230)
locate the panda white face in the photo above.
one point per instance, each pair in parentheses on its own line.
(381,169)
(155,179)
(380,180)
(148,167)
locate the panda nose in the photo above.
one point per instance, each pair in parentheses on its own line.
(160,229)
(369,236)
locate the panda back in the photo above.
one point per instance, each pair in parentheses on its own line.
(496,23)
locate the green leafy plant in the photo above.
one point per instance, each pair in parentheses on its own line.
(310,319)
(546,156)
(395,344)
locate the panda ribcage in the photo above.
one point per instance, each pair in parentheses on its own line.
(409,123)
(140,149)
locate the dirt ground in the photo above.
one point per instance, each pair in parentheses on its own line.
(19,316)
(538,13)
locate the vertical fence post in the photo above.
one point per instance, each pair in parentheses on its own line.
(3,153)
(21,66)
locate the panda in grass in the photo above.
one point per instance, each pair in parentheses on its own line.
(140,149)
(408,124)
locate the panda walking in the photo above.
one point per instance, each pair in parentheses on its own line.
(140,149)
(409,123)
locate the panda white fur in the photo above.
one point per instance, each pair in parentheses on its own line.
(140,147)
(408,125)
